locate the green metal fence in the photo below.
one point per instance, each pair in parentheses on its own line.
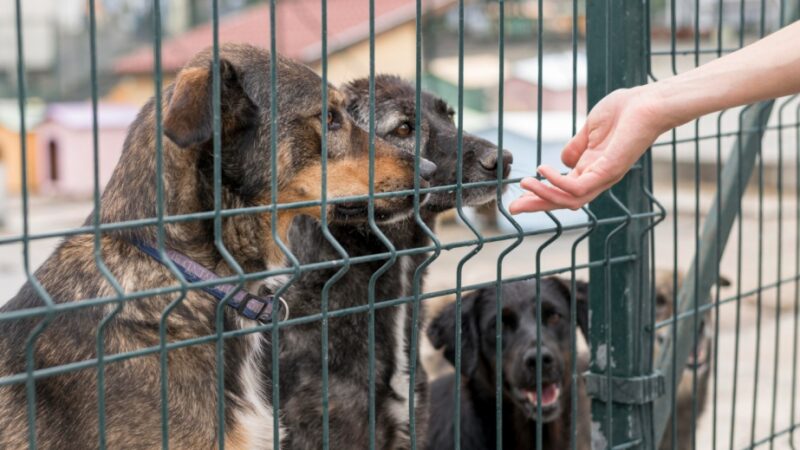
(634,393)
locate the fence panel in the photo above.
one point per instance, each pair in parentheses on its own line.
(634,392)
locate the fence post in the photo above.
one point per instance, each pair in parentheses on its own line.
(620,381)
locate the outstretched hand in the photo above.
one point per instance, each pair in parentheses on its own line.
(618,130)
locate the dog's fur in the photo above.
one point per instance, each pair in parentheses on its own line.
(700,359)
(478,368)
(67,404)
(301,395)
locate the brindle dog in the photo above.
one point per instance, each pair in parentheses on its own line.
(301,384)
(67,415)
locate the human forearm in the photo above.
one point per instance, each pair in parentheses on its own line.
(766,69)
(627,121)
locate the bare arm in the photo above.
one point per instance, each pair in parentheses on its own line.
(621,127)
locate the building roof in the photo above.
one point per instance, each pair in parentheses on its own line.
(298,34)
(78,115)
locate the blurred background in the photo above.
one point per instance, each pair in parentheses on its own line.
(683,34)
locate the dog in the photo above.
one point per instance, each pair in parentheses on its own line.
(519,360)
(67,415)
(699,361)
(300,347)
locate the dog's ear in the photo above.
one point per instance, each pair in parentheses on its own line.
(189,118)
(354,93)
(442,332)
(582,306)
(581,300)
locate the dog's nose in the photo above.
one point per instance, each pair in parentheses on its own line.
(426,169)
(489,162)
(546,355)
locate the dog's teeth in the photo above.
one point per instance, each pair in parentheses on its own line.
(550,394)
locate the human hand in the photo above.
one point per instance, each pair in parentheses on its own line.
(618,130)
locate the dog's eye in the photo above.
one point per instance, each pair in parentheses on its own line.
(553,319)
(333,121)
(509,320)
(404,130)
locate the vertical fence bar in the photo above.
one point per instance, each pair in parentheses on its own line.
(160,232)
(675,241)
(739,239)
(615,31)
(696,317)
(274,329)
(97,247)
(30,342)
(778,277)
(498,395)
(462,215)
(273,168)
(796,312)
(718,244)
(422,267)
(760,270)
(556,234)
(219,243)
(376,230)
(573,301)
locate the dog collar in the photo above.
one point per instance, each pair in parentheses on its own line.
(251,306)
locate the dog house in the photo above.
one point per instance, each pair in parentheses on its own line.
(65,146)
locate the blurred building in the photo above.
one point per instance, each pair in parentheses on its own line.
(65,146)
(44,21)
(11,144)
(481,81)
(298,36)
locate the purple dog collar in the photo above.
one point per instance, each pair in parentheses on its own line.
(248,305)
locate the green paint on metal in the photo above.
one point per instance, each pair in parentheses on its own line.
(616,53)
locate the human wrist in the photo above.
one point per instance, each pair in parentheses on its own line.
(656,105)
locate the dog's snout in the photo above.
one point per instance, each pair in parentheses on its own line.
(426,169)
(530,358)
(489,162)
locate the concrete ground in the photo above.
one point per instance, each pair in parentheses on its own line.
(777,325)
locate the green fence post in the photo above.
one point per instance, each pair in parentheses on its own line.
(619,380)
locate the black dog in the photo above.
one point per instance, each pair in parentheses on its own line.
(520,349)
(300,360)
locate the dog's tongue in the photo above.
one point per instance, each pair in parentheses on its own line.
(550,393)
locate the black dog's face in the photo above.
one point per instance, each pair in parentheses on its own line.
(525,344)
(395,120)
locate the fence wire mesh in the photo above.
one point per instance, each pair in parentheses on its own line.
(674,357)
